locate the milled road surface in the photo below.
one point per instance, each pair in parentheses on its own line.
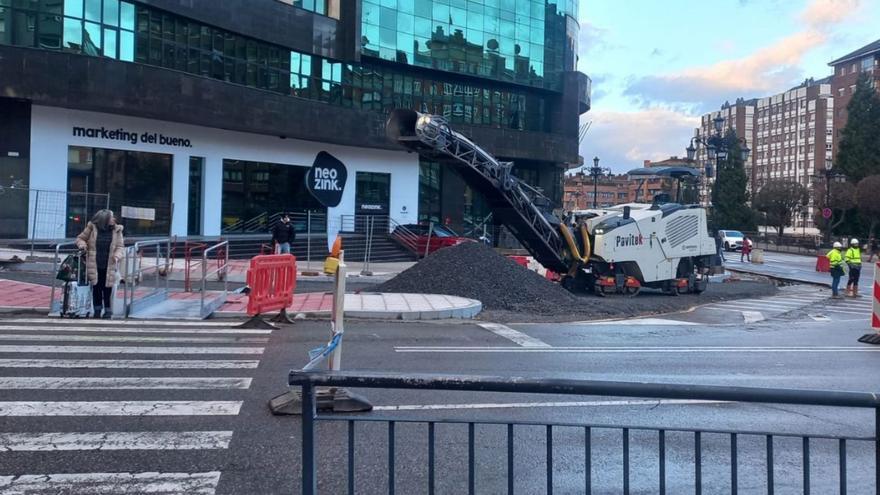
(215,434)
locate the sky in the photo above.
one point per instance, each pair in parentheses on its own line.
(657,66)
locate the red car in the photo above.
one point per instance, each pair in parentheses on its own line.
(415,237)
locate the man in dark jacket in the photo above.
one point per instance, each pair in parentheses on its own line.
(283,234)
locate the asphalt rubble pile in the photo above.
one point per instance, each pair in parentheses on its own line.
(476,271)
(512,293)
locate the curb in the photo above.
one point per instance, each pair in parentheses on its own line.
(778,277)
(465,313)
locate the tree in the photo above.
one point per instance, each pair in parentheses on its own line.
(778,199)
(868,199)
(859,152)
(841,199)
(729,198)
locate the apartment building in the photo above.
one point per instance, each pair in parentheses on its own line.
(843,83)
(794,137)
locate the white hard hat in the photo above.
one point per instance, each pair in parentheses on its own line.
(854,242)
(838,245)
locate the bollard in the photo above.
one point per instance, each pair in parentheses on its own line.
(758,256)
(333,399)
(874,338)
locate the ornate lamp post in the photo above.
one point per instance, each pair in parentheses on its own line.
(717,148)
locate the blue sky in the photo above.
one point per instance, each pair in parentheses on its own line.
(658,65)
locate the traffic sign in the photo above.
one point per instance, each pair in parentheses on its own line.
(826,213)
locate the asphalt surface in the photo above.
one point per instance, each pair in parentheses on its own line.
(707,346)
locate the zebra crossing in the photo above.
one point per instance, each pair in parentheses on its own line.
(798,301)
(130,389)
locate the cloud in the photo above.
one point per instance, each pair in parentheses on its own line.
(768,70)
(622,140)
(821,14)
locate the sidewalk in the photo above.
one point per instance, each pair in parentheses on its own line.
(28,297)
(795,268)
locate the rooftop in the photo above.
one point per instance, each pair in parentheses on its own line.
(861,52)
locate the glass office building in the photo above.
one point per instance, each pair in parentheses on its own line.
(178,107)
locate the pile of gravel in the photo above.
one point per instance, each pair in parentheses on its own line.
(476,271)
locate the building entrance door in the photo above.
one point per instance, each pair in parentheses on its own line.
(372,199)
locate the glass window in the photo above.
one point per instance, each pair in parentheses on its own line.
(126,46)
(73,8)
(73,35)
(49,31)
(111,12)
(110,40)
(93,10)
(92,39)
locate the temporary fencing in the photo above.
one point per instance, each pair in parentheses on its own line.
(272,280)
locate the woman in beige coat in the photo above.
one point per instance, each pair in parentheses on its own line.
(102,240)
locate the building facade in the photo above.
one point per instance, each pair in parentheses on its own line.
(738,117)
(843,82)
(794,139)
(203,117)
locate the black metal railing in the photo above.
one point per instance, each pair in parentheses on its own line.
(592,442)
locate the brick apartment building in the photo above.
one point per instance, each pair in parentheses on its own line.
(618,189)
(843,82)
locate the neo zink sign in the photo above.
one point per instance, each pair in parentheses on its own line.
(326,179)
(131,137)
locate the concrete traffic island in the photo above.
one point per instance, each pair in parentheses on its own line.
(382,306)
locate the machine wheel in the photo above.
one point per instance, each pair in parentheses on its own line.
(631,291)
(669,289)
(599,290)
(726,246)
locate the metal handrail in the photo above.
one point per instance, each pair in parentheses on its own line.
(133,269)
(309,381)
(206,273)
(564,386)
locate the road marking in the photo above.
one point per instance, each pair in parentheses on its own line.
(819,317)
(121,483)
(134,338)
(179,364)
(752,317)
(140,323)
(637,322)
(115,440)
(520,405)
(515,336)
(121,383)
(129,329)
(81,349)
(633,350)
(120,408)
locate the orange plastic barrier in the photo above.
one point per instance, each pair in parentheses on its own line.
(522,261)
(272,280)
(823,264)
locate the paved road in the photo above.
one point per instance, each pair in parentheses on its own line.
(796,267)
(183,408)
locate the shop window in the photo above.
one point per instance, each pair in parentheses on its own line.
(429,191)
(254,191)
(131,179)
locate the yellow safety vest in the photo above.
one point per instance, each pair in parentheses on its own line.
(853,256)
(834,257)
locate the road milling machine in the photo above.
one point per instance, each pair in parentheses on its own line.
(619,249)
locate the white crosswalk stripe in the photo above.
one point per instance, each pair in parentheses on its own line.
(812,303)
(141,351)
(37,484)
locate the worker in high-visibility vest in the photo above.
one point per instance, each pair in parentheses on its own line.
(853,259)
(835,259)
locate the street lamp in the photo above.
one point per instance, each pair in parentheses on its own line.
(717,148)
(828,175)
(595,172)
